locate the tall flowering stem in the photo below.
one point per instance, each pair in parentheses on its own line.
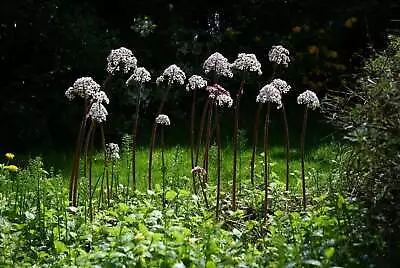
(302,142)
(139,77)
(163,120)
(266,160)
(255,140)
(75,162)
(219,97)
(284,88)
(87,89)
(310,100)
(235,141)
(201,129)
(268,94)
(218,140)
(195,82)
(287,145)
(244,63)
(192,143)
(207,142)
(172,74)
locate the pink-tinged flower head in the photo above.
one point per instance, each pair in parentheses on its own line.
(98,112)
(140,75)
(163,119)
(279,55)
(270,94)
(221,96)
(199,170)
(247,62)
(196,82)
(308,98)
(218,64)
(281,85)
(84,87)
(172,74)
(121,60)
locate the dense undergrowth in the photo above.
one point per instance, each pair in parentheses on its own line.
(37,228)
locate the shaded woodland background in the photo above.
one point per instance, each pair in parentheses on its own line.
(46,45)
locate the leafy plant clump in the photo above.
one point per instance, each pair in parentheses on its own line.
(142,232)
(369,114)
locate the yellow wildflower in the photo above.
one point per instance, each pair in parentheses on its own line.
(10,156)
(12,168)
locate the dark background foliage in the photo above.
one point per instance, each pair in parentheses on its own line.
(46,45)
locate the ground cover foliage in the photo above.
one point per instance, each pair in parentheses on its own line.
(136,230)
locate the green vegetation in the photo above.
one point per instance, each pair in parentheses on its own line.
(38,228)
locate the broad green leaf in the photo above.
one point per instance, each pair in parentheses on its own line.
(170,195)
(60,246)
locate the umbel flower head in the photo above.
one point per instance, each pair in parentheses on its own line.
(308,98)
(281,85)
(84,87)
(172,74)
(270,94)
(199,170)
(247,62)
(140,75)
(218,64)
(279,55)
(101,97)
(220,95)
(112,151)
(163,119)
(121,60)
(195,82)
(98,112)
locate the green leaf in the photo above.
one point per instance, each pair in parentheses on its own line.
(329,252)
(170,195)
(60,246)
(210,264)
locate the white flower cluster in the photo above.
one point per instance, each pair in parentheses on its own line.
(281,85)
(279,55)
(172,74)
(247,62)
(219,64)
(84,87)
(199,170)
(112,151)
(195,82)
(270,94)
(220,95)
(140,75)
(163,119)
(121,59)
(308,98)
(98,112)
(101,97)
